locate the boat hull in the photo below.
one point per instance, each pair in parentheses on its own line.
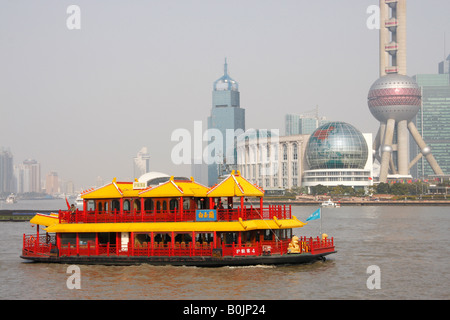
(202,261)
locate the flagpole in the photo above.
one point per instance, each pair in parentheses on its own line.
(320,222)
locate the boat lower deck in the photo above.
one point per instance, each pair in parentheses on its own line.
(199,261)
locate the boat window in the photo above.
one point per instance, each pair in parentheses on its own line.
(148,204)
(67,238)
(162,238)
(91,205)
(268,234)
(85,238)
(158,205)
(183,238)
(126,205)
(115,205)
(137,205)
(99,207)
(164,205)
(173,204)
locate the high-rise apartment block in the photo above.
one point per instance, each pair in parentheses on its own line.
(52,183)
(28,175)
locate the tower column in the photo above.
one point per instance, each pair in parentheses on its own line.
(424,149)
(402,147)
(387,150)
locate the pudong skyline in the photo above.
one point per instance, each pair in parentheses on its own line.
(83,102)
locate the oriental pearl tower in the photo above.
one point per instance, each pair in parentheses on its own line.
(394,99)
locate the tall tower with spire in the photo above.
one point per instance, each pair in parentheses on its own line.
(394,99)
(226,116)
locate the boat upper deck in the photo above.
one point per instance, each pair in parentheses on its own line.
(174,201)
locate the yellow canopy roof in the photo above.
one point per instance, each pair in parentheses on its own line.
(177,226)
(112,190)
(172,188)
(45,219)
(235,186)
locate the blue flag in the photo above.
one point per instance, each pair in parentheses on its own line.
(315,215)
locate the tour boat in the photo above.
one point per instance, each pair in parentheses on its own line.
(328,203)
(11,198)
(177,222)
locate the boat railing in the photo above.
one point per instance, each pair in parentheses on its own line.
(38,245)
(246,213)
(46,246)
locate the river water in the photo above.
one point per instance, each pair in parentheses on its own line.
(409,244)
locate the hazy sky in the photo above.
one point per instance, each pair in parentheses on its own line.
(83,102)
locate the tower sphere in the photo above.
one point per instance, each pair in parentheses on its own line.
(394,96)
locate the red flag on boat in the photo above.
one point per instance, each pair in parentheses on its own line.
(68,205)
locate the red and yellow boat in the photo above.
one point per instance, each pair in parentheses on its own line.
(177,222)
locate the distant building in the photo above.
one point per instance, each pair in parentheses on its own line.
(28,176)
(226,114)
(6,171)
(305,123)
(52,183)
(444,66)
(141,163)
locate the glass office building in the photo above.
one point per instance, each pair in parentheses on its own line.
(226,116)
(433,123)
(304,123)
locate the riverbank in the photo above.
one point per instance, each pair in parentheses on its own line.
(363,202)
(19,215)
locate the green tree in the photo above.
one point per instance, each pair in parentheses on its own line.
(399,189)
(383,188)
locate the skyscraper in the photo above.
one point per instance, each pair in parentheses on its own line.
(394,99)
(433,121)
(228,118)
(6,171)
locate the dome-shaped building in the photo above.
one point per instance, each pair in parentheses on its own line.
(338,154)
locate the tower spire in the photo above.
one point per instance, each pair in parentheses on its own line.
(225,68)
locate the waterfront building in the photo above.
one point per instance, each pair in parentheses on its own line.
(272,162)
(433,123)
(6,171)
(226,114)
(338,154)
(141,163)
